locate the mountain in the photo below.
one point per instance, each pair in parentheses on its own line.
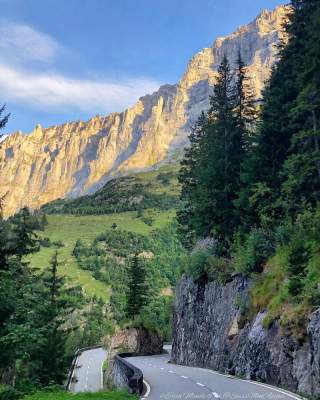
(76,158)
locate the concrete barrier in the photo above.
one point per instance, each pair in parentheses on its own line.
(126,375)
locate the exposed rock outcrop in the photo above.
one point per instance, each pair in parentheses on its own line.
(136,340)
(139,341)
(77,158)
(207,333)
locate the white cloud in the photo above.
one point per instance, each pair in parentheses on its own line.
(27,59)
(53,91)
(22,43)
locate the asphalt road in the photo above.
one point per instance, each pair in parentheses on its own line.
(171,382)
(88,371)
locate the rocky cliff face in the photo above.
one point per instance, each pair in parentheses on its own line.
(77,158)
(207,332)
(135,340)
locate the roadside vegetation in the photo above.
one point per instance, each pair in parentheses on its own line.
(126,260)
(59,395)
(251,181)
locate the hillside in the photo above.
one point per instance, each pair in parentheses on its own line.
(77,158)
(140,203)
(155,189)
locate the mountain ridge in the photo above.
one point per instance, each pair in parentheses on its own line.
(78,157)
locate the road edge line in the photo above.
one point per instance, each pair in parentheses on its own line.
(101,378)
(283,391)
(148,389)
(73,372)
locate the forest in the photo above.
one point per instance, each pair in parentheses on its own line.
(251,180)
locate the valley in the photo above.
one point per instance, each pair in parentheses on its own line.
(171,250)
(78,158)
(68,228)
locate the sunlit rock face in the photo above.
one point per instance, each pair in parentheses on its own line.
(76,158)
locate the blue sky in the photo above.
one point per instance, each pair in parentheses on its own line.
(62,60)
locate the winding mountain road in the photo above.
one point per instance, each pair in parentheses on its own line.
(166,381)
(88,371)
(174,382)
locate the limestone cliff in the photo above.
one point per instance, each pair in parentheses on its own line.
(208,331)
(76,158)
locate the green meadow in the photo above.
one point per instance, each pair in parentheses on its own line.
(69,228)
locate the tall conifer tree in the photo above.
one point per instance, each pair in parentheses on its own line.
(211,170)
(137,288)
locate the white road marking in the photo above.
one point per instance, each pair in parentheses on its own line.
(162,368)
(171,372)
(148,389)
(296,397)
(184,377)
(199,384)
(215,394)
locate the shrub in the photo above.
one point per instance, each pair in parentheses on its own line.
(45,242)
(250,254)
(218,269)
(288,289)
(58,243)
(209,243)
(196,264)
(9,393)
(147,220)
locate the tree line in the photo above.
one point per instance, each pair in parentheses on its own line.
(242,172)
(251,175)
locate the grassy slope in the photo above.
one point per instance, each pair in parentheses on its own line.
(172,170)
(113,395)
(69,228)
(154,189)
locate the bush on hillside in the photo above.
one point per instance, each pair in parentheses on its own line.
(250,254)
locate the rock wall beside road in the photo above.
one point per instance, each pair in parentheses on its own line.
(139,341)
(207,333)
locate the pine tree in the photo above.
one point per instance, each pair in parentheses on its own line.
(188,180)
(25,239)
(280,123)
(301,171)
(210,174)
(219,165)
(247,114)
(3,118)
(50,363)
(137,287)
(16,296)
(246,105)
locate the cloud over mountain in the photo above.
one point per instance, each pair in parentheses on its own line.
(29,75)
